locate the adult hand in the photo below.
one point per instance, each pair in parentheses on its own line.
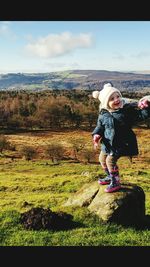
(143,104)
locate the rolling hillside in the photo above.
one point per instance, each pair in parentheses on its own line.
(75,79)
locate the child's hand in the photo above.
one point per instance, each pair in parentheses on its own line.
(96,139)
(143,104)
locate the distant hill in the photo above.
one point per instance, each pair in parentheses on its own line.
(75,79)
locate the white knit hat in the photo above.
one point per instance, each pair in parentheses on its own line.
(105,94)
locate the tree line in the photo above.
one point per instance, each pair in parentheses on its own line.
(50,109)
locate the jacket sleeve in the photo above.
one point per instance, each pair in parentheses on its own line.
(99,129)
(139,115)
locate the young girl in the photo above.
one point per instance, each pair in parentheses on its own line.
(114,131)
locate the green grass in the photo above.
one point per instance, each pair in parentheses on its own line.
(42,184)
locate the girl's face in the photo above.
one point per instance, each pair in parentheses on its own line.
(115,101)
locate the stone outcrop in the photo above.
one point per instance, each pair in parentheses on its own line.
(127,206)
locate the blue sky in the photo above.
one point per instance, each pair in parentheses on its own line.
(46,46)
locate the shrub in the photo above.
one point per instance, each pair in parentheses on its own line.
(29,152)
(54,152)
(4,143)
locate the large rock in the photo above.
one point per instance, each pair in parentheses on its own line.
(84,196)
(127,206)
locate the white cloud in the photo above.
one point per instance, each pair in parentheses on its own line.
(5,30)
(119,56)
(142,54)
(55,45)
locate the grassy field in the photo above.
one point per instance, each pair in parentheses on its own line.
(40,183)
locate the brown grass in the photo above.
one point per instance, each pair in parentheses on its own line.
(39,140)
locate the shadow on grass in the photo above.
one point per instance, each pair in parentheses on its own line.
(139,226)
(145,224)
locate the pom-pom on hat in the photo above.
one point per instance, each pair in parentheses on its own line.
(105,94)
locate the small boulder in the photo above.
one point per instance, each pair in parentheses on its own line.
(126,206)
(84,196)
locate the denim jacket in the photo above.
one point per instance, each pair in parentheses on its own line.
(115,128)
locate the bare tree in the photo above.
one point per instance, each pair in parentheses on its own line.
(29,152)
(54,152)
(4,143)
